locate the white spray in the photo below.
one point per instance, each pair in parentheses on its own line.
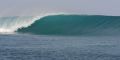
(12,24)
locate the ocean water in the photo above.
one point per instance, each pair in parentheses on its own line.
(60,37)
(41,47)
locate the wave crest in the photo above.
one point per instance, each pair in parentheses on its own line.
(74,25)
(12,24)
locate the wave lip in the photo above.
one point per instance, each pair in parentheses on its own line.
(74,25)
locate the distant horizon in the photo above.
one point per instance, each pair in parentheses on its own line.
(57,14)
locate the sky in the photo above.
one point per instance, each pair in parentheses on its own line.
(36,7)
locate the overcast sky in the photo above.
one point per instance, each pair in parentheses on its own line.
(36,7)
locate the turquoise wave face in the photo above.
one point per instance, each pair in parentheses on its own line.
(75,25)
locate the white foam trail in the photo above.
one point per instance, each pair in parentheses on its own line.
(12,24)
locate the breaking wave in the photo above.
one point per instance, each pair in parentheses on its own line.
(13,23)
(62,24)
(74,25)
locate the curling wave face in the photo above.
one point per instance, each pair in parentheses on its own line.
(62,24)
(13,23)
(74,25)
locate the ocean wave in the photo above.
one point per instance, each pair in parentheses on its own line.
(11,24)
(63,24)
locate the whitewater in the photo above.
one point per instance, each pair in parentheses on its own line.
(60,37)
(10,24)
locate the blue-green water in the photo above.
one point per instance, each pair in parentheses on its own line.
(40,47)
(60,37)
(75,25)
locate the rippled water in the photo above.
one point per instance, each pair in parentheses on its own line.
(40,47)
